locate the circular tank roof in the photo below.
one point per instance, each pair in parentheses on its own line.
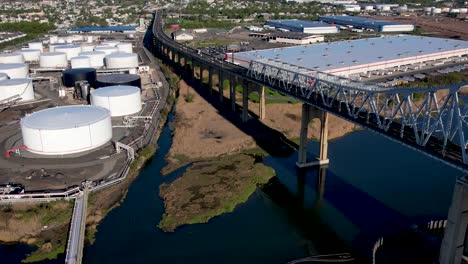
(118,78)
(57,53)
(9,66)
(29,50)
(13,54)
(64,117)
(15,81)
(116,90)
(121,55)
(86,53)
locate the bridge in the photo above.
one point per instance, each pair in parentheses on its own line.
(431,120)
(74,253)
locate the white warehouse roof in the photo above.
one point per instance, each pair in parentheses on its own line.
(347,57)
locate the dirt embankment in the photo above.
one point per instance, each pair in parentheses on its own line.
(200,131)
(44,225)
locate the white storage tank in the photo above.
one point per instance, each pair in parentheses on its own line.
(15,70)
(21,86)
(3,76)
(66,129)
(121,60)
(437,10)
(112,43)
(96,58)
(121,100)
(87,48)
(369,8)
(445,9)
(53,60)
(455,10)
(107,49)
(80,62)
(70,50)
(30,54)
(14,57)
(385,8)
(36,45)
(125,47)
(428,9)
(53,39)
(463,10)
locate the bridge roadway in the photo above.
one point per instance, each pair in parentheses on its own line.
(74,253)
(453,154)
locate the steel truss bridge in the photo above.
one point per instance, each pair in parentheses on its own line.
(429,120)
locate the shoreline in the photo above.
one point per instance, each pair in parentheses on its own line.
(100,203)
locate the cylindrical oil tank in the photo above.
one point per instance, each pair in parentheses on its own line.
(121,60)
(118,79)
(36,45)
(30,54)
(121,100)
(52,47)
(71,76)
(454,10)
(125,47)
(53,60)
(87,47)
(107,49)
(369,8)
(14,57)
(428,9)
(66,129)
(96,58)
(112,43)
(21,86)
(53,39)
(463,10)
(70,50)
(3,76)
(437,10)
(385,8)
(80,62)
(15,70)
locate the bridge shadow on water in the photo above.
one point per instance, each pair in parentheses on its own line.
(373,218)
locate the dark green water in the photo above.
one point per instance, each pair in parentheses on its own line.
(372,188)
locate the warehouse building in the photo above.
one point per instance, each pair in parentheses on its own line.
(367,23)
(347,58)
(303,26)
(295,38)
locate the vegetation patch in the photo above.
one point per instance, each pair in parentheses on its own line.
(212,187)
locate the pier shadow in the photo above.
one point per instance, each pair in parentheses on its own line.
(267,138)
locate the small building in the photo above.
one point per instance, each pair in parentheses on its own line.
(200,30)
(295,38)
(100,30)
(183,36)
(311,27)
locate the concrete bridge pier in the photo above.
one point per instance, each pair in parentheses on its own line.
(210,80)
(261,101)
(201,76)
(455,240)
(232,92)
(307,116)
(221,85)
(245,101)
